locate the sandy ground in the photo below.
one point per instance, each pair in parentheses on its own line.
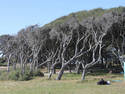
(3,67)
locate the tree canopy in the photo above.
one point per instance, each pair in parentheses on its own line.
(78,39)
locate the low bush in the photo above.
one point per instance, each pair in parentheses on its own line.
(3,75)
(14,75)
(37,73)
(18,76)
(3,63)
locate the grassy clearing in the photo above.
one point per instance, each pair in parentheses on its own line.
(70,84)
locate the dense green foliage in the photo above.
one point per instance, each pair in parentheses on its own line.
(81,15)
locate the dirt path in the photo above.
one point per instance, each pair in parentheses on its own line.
(46,74)
(3,67)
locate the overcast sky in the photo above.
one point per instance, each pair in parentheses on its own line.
(18,14)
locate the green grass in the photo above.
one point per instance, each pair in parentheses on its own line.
(70,84)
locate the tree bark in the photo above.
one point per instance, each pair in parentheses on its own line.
(14,66)
(48,67)
(54,71)
(51,72)
(31,67)
(8,65)
(83,74)
(60,73)
(78,68)
(70,70)
(36,65)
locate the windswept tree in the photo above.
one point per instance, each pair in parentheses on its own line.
(118,36)
(73,42)
(7,45)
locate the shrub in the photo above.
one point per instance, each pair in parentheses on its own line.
(14,75)
(3,75)
(25,77)
(37,73)
(18,76)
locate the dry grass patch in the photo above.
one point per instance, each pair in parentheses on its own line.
(71,85)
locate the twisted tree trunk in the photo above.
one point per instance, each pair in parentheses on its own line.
(83,74)
(52,71)
(61,73)
(78,68)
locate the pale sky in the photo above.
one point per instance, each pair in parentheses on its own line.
(18,14)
